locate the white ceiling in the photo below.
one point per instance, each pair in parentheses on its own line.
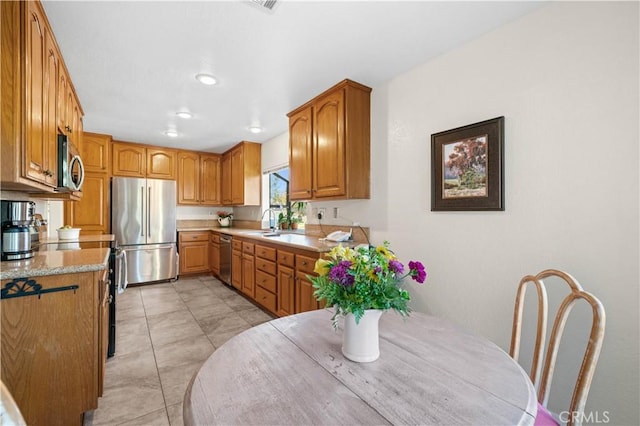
(133,63)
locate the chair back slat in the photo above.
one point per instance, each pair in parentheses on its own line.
(541,328)
(542,382)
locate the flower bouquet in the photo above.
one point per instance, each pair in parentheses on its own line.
(367,277)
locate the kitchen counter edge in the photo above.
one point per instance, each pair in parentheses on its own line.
(312,243)
(56,263)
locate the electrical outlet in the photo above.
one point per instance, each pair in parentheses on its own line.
(321,213)
(210,212)
(335,212)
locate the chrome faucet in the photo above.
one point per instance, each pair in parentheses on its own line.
(270,210)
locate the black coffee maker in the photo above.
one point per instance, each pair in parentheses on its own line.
(16,223)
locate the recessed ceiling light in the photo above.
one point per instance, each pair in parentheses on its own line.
(207,79)
(184,114)
(171,133)
(255,129)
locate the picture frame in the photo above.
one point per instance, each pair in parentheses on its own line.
(467,167)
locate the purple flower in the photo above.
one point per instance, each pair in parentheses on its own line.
(396,266)
(340,274)
(417,271)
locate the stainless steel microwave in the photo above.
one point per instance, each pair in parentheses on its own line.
(70,167)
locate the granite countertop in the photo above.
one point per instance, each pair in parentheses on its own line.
(56,263)
(290,239)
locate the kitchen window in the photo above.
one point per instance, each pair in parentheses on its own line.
(278,198)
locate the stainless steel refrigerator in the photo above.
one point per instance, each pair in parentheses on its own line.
(143,220)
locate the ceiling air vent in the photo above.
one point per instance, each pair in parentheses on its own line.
(267,4)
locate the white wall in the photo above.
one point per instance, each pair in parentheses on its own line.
(566,79)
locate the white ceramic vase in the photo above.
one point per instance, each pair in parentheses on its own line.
(360,341)
(225,222)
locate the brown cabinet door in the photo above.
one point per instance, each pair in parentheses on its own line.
(194,257)
(49,349)
(103,339)
(210,170)
(300,155)
(328,146)
(225,186)
(91,212)
(248,275)
(95,152)
(50,104)
(161,163)
(214,261)
(285,292)
(305,301)
(188,177)
(237,176)
(35,147)
(63,83)
(236,269)
(129,160)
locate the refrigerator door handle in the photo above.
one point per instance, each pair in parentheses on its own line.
(149,213)
(142,215)
(121,266)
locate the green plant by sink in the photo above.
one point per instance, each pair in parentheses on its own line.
(291,216)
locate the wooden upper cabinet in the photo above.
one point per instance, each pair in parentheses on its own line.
(243,165)
(129,160)
(161,163)
(225,185)
(91,213)
(52,62)
(95,152)
(133,160)
(210,173)
(188,177)
(41,85)
(33,93)
(301,154)
(199,178)
(329,144)
(237,176)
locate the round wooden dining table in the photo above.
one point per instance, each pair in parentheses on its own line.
(291,371)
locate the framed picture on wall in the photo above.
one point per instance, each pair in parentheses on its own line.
(466,167)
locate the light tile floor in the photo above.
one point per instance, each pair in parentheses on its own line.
(164,334)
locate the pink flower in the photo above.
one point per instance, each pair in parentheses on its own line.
(418,272)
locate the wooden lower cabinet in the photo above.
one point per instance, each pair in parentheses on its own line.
(286,291)
(266,277)
(52,362)
(236,264)
(214,254)
(194,252)
(305,301)
(103,338)
(248,272)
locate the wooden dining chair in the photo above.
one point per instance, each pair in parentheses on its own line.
(541,373)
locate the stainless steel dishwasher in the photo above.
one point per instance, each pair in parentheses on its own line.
(225,258)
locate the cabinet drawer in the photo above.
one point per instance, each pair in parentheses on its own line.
(215,238)
(266,266)
(247,248)
(237,245)
(286,258)
(305,263)
(266,298)
(193,236)
(266,252)
(266,281)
